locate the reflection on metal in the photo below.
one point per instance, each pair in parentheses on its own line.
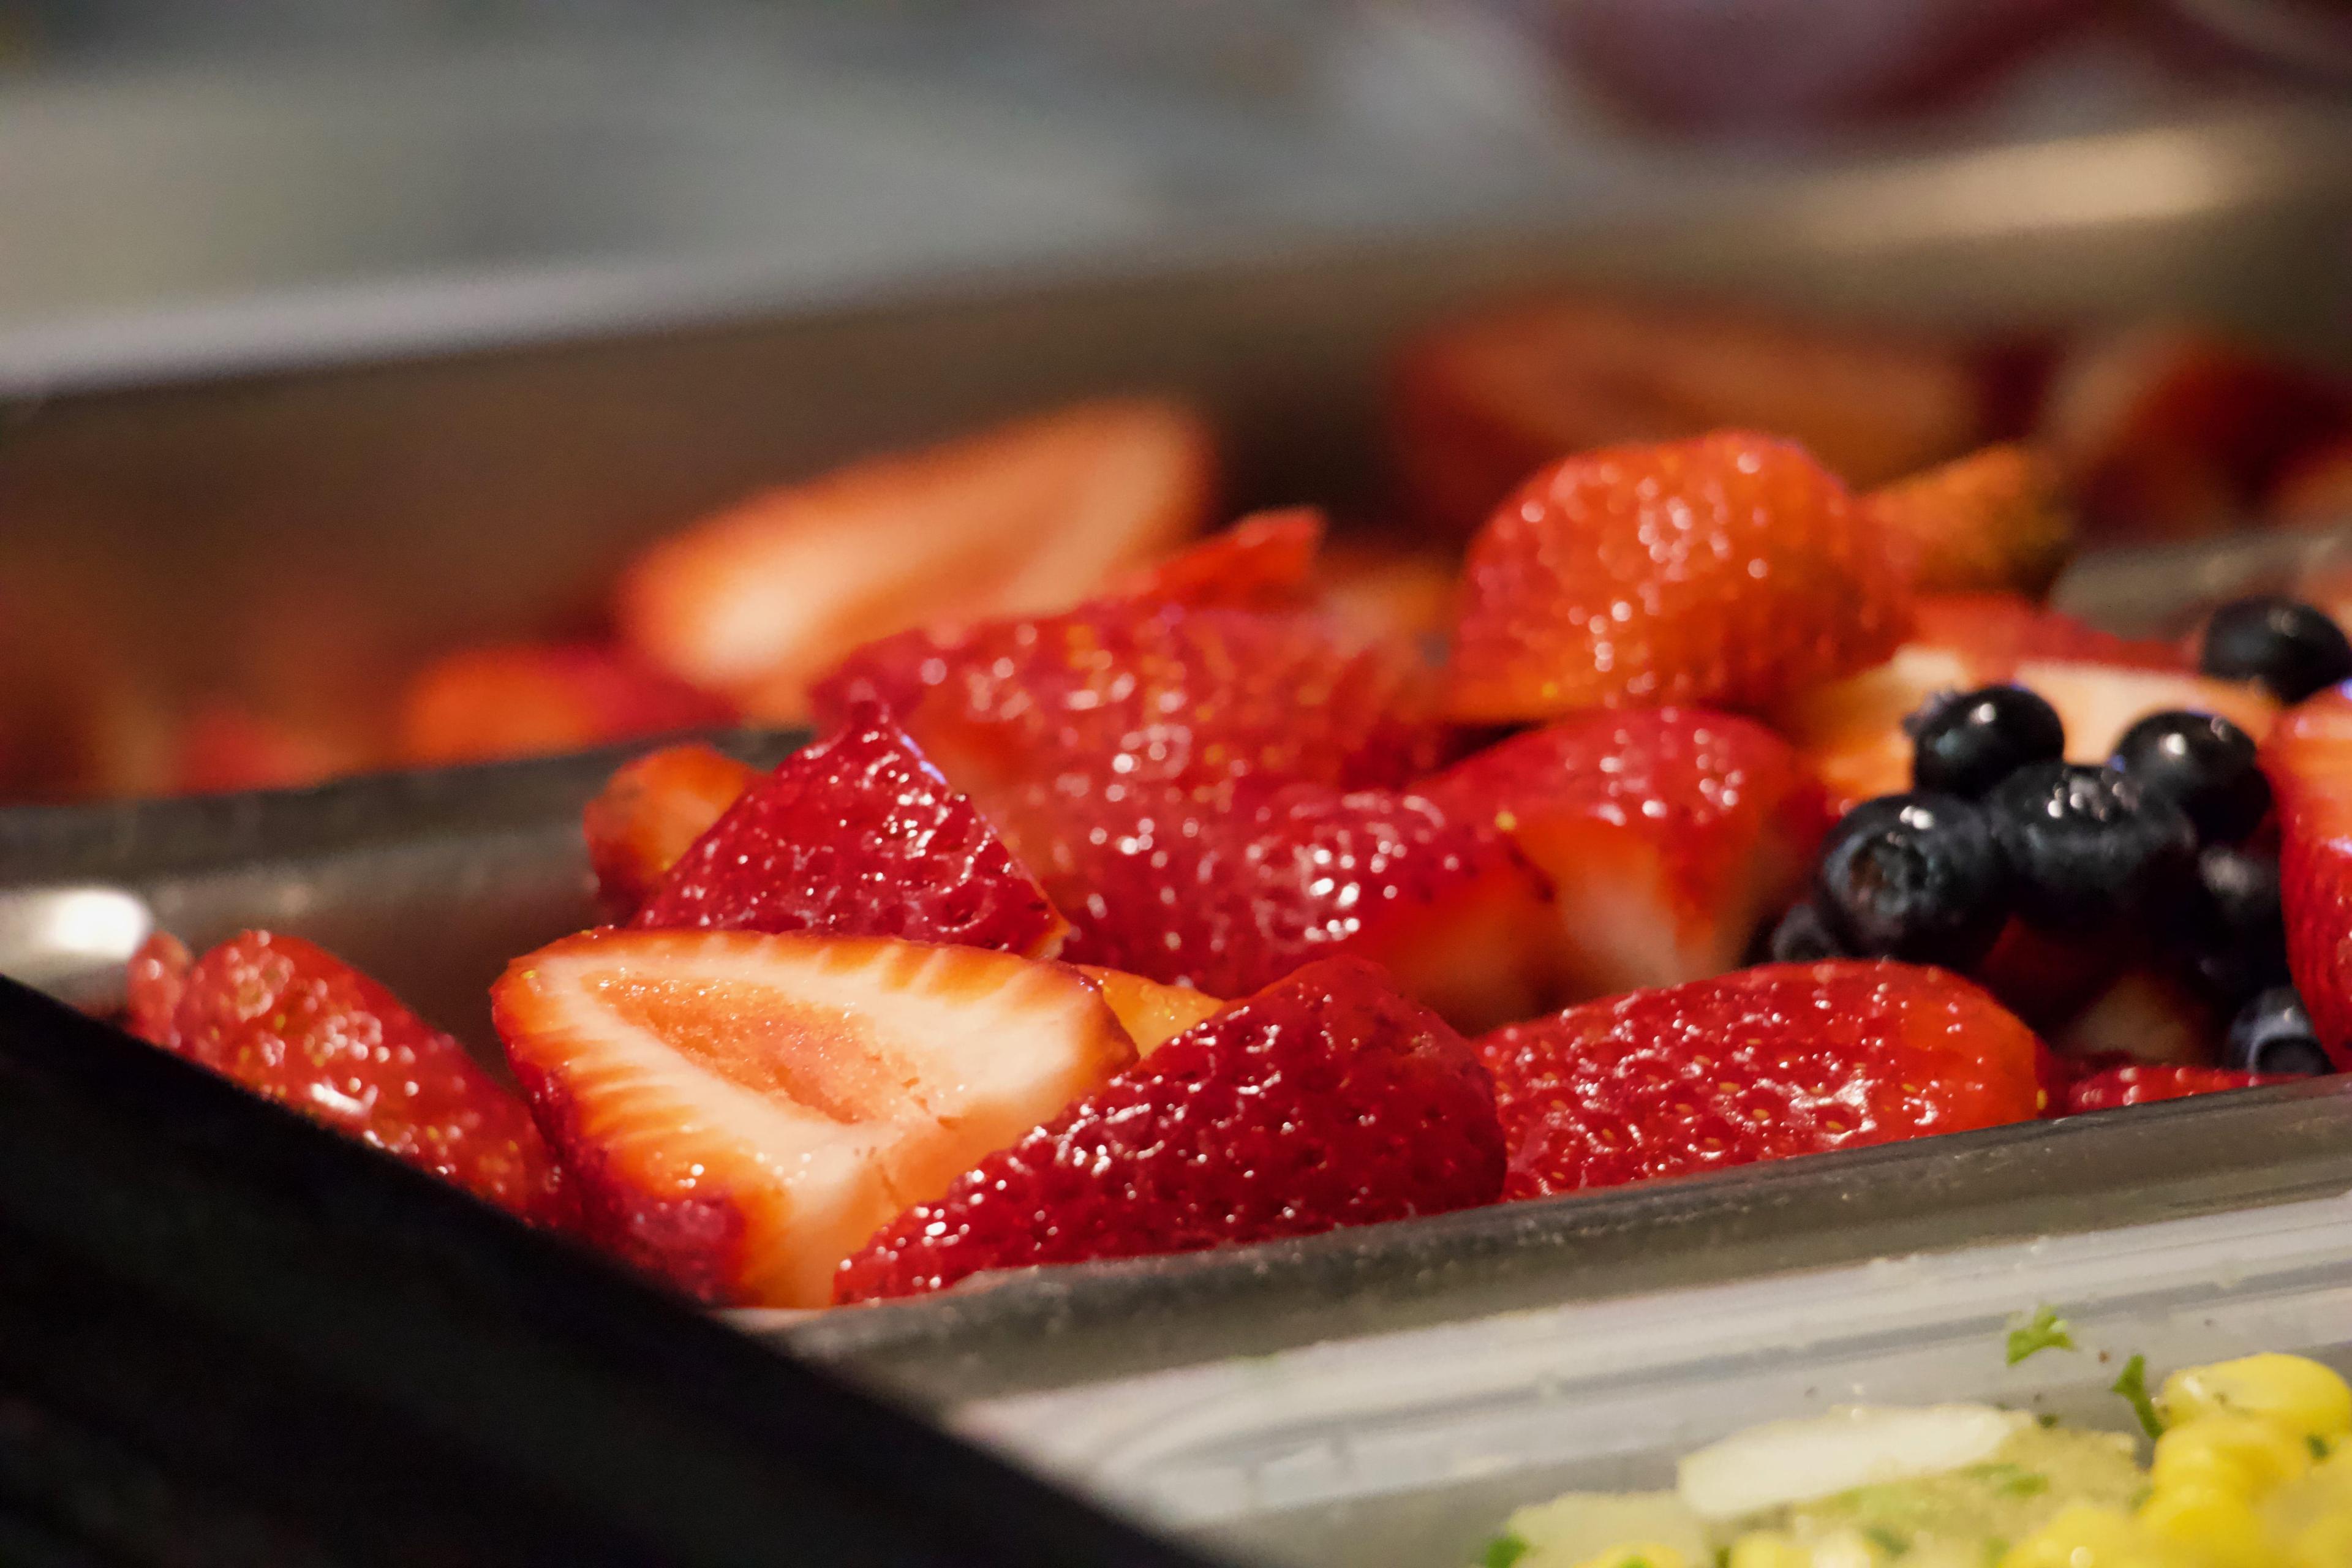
(72,941)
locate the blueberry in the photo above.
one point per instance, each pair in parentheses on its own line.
(2288,646)
(2205,764)
(2230,929)
(2273,1035)
(1964,744)
(1802,937)
(2087,844)
(1915,877)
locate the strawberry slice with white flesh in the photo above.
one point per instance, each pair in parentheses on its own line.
(742,1109)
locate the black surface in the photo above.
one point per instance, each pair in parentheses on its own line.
(227,1336)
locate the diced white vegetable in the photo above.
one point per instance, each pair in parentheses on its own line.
(1786,1462)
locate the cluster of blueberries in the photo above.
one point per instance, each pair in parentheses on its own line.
(1998,823)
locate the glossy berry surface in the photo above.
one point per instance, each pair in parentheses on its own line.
(2204,764)
(2232,927)
(1914,876)
(2292,647)
(1789,1058)
(1964,744)
(1326,1100)
(1803,937)
(2147,1083)
(2272,1034)
(2088,844)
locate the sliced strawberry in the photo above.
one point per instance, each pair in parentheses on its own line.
(1480,404)
(1997,632)
(2317,488)
(531,699)
(1148,694)
(1262,561)
(650,811)
(1729,570)
(2309,761)
(2146,1015)
(1387,590)
(1991,521)
(2098,702)
(858,835)
(222,747)
(1324,1101)
(2141,1084)
(1152,1014)
(1667,835)
(2048,978)
(1024,517)
(1783,1059)
(740,1109)
(296,1024)
(1229,891)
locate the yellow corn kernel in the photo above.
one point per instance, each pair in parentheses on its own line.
(2300,1396)
(1758,1550)
(2085,1536)
(2213,1526)
(1641,1554)
(2243,1456)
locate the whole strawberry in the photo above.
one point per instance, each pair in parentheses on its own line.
(1789,1058)
(2309,760)
(1328,1100)
(1731,570)
(856,835)
(294,1024)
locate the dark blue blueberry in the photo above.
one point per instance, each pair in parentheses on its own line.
(2290,647)
(2088,845)
(1803,937)
(1966,743)
(2272,1034)
(1915,877)
(2205,764)
(2230,928)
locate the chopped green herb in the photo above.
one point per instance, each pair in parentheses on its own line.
(1886,1541)
(1503,1550)
(2046,1420)
(2133,1385)
(2046,1330)
(2010,1480)
(2319,1446)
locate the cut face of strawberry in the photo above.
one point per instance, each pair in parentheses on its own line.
(2137,1084)
(650,811)
(1324,1101)
(1262,561)
(1780,1060)
(1667,835)
(2143,1016)
(2098,702)
(1730,569)
(2309,761)
(858,835)
(1231,891)
(1988,521)
(295,1025)
(532,700)
(1028,516)
(1152,1014)
(1479,404)
(742,1109)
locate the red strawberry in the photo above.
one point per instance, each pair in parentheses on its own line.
(650,811)
(1388,590)
(1261,561)
(1479,404)
(1991,521)
(1730,569)
(2144,1014)
(1324,1101)
(1148,693)
(1229,891)
(297,1026)
(1023,517)
(1152,1014)
(1783,1059)
(222,747)
(530,699)
(858,835)
(2309,761)
(1667,835)
(2139,1084)
(740,1109)
(2317,487)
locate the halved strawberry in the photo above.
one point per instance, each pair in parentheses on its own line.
(2098,702)
(858,835)
(2315,488)
(1666,835)
(1479,404)
(1385,589)
(1228,890)
(2148,1015)
(1023,517)
(740,1109)
(223,747)
(1991,521)
(530,699)
(1730,569)
(650,811)
(1261,561)
(294,1024)
(2309,761)
(1789,1058)
(2139,1084)
(1326,1100)
(1151,1013)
